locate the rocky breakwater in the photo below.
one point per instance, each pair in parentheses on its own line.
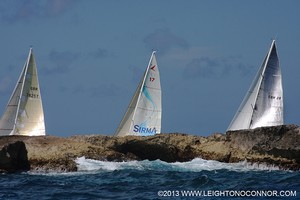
(278,146)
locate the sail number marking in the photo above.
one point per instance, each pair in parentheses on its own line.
(31,95)
(274,97)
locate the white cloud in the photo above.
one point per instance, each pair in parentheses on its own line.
(163,40)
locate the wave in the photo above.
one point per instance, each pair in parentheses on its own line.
(196,165)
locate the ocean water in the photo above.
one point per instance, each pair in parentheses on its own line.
(197,179)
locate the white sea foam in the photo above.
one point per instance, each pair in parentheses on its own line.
(84,164)
(195,165)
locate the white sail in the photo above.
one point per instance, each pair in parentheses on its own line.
(143,116)
(24,113)
(263,104)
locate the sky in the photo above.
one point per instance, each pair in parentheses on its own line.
(91,55)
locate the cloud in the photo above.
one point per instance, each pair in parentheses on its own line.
(100,91)
(207,67)
(105,91)
(62,57)
(202,67)
(5,84)
(101,53)
(137,73)
(13,11)
(57,7)
(245,70)
(61,62)
(164,40)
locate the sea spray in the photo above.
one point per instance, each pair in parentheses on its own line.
(196,165)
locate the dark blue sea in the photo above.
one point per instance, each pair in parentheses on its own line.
(197,179)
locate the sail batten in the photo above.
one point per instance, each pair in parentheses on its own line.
(143,116)
(263,104)
(24,112)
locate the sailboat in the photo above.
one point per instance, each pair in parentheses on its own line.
(143,116)
(263,104)
(24,113)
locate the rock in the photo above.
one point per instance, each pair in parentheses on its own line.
(276,146)
(13,157)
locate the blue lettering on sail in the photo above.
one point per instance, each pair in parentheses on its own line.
(140,129)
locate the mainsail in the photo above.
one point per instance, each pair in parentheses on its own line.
(24,113)
(143,116)
(263,104)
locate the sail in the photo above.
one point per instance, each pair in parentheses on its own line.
(263,104)
(24,113)
(143,116)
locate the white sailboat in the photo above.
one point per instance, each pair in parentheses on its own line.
(24,113)
(263,104)
(143,116)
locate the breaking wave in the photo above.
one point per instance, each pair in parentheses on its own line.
(196,165)
(144,179)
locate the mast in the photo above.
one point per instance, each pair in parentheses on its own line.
(30,120)
(263,103)
(142,86)
(24,113)
(260,81)
(7,122)
(21,93)
(143,115)
(269,101)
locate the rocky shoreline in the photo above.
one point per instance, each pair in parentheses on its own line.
(277,146)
